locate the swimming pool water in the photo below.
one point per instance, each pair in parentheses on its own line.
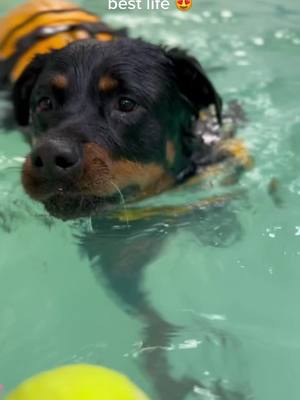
(216,295)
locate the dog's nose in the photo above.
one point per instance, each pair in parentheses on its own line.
(56,160)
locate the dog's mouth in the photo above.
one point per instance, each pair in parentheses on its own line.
(86,192)
(66,200)
(98,186)
(72,206)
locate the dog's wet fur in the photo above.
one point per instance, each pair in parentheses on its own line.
(109,118)
(112,121)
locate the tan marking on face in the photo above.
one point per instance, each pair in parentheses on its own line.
(129,173)
(103,176)
(95,177)
(170,152)
(33,185)
(107,83)
(60,81)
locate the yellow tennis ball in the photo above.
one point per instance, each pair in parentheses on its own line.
(78,382)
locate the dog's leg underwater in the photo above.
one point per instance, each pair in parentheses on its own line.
(123,256)
(123,269)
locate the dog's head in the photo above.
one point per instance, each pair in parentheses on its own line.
(108,120)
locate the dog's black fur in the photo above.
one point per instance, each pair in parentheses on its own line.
(79,133)
(163,90)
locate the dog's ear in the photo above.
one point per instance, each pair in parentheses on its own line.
(193,83)
(23,88)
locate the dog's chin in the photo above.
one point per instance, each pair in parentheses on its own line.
(68,207)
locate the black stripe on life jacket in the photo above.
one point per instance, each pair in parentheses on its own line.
(35,16)
(28,41)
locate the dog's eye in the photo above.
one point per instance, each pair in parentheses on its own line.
(126,104)
(44,104)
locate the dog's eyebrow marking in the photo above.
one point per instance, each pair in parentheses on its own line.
(107,83)
(60,81)
(171,152)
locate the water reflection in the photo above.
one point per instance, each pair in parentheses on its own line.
(120,252)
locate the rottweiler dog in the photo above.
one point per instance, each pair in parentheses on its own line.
(113,119)
(109,116)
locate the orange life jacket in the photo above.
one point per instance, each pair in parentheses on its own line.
(40,26)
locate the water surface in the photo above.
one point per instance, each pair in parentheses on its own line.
(221,287)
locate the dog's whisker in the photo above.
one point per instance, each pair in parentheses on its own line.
(122,200)
(81,202)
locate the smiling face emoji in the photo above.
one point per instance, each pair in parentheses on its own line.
(184,5)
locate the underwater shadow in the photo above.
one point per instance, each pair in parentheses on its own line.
(123,245)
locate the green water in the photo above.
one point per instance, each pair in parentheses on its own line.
(225,315)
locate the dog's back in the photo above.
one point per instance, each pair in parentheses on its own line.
(40,26)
